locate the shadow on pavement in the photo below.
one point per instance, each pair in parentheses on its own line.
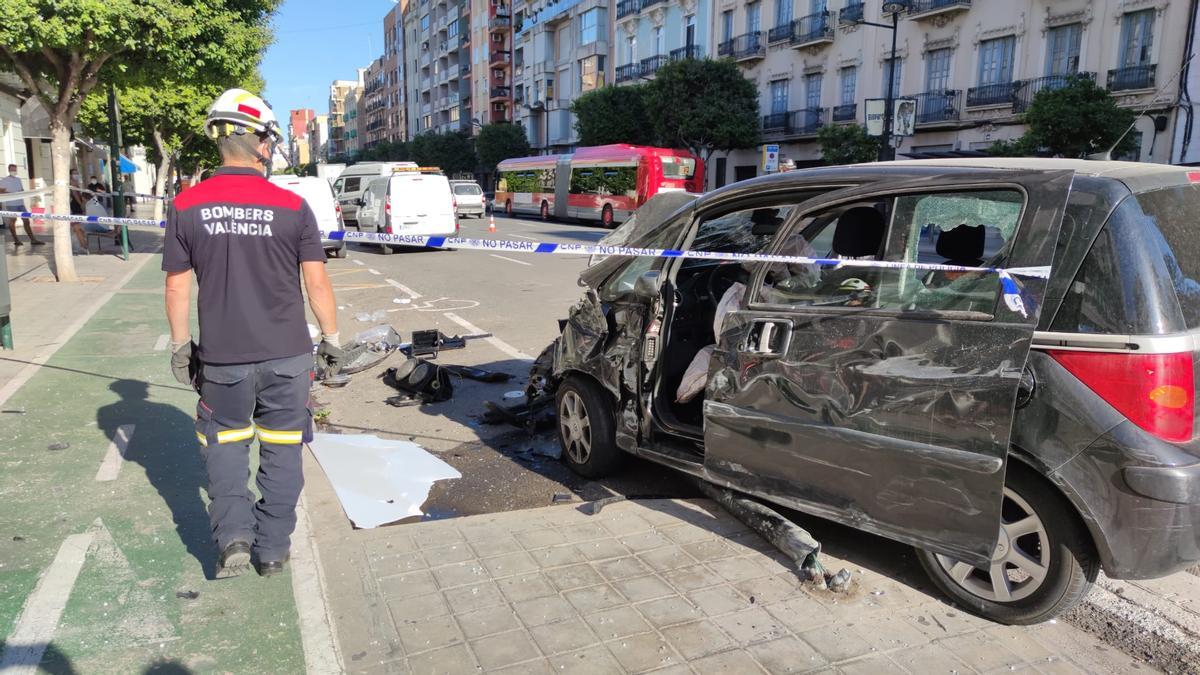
(162,444)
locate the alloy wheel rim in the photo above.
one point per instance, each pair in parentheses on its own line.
(575,428)
(1020,560)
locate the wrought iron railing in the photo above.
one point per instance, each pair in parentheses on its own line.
(628,7)
(997,94)
(651,64)
(812,28)
(851,13)
(1027,90)
(501,92)
(940,105)
(687,52)
(917,7)
(627,72)
(1132,77)
(746,46)
(846,112)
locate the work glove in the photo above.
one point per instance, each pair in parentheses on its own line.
(330,356)
(181,360)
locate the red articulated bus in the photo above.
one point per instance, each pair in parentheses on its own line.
(606,183)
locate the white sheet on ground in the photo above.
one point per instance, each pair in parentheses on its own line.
(378,481)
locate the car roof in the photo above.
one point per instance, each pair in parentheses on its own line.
(1130,173)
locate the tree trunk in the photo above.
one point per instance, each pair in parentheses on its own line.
(60,158)
(160,176)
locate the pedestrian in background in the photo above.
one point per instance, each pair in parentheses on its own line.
(249,243)
(10,184)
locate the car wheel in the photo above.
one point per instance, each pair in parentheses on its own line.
(585,428)
(606,216)
(545,211)
(508,208)
(1043,563)
(339,252)
(386,250)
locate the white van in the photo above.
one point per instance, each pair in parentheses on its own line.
(319,195)
(469,198)
(408,203)
(352,183)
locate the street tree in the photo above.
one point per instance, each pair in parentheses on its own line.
(847,144)
(451,151)
(61,49)
(499,141)
(703,105)
(1075,120)
(613,115)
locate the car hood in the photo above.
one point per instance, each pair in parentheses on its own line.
(643,229)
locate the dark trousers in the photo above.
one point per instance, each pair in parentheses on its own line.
(268,400)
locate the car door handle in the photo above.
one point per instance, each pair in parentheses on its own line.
(768,338)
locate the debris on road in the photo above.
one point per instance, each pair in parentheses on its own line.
(561,498)
(187,595)
(792,540)
(430,342)
(60,445)
(421,379)
(378,481)
(478,374)
(593,508)
(530,416)
(376,316)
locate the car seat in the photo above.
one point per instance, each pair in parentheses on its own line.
(858,234)
(962,246)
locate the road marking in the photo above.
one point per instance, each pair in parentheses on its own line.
(357,261)
(35,628)
(163,341)
(110,468)
(410,292)
(375,272)
(493,340)
(519,262)
(321,654)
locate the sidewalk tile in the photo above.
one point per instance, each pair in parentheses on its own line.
(592,661)
(787,655)
(677,669)
(709,549)
(504,649)
(875,664)
(800,613)
(740,569)
(617,623)
(484,622)
(430,604)
(426,633)
(594,598)
(667,558)
(540,611)
(494,547)
(628,523)
(477,596)
(509,564)
(622,568)
(643,652)
(459,574)
(574,576)
(455,659)
(382,548)
(685,534)
(886,633)
(1019,641)
(525,587)
(431,537)
(837,642)
(930,658)
(694,640)
(643,588)
(445,555)
(407,585)
(693,578)
(1059,666)
(583,532)
(766,590)
(718,600)
(564,636)
(644,541)
(540,538)
(397,564)
(751,625)
(669,611)
(736,662)
(538,667)
(557,556)
(603,549)
(981,652)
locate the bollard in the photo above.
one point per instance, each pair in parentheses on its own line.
(6,338)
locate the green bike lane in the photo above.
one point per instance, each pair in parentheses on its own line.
(124,541)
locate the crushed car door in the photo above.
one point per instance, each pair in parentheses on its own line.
(882,395)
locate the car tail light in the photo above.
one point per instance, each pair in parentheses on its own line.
(1157,392)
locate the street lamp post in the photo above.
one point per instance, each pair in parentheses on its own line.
(895,7)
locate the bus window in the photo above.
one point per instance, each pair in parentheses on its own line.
(617,180)
(678,168)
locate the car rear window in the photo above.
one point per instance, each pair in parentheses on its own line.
(467,190)
(1141,275)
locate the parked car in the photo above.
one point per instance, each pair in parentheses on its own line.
(468,198)
(409,202)
(352,182)
(1021,432)
(319,195)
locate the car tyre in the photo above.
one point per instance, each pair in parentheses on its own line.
(586,428)
(606,216)
(339,252)
(508,208)
(545,211)
(1040,525)
(386,250)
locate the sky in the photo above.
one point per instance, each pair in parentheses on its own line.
(317,42)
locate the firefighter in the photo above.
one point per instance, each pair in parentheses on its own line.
(248,242)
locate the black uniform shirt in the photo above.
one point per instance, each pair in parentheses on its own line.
(245,237)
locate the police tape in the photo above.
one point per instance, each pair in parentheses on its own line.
(1010,288)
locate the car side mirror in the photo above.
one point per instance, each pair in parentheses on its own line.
(361,201)
(646,286)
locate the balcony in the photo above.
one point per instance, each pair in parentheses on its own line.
(847,112)
(627,72)
(851,13)
(499,23)
(651,64)
(628,8)
(803,122)
(811,30)
(936,107)
(1132,77)
(744,47)
(464,69)
(500,58)
(924,9)
(688,52)
(519,98)
(501,10)
(499,93)
(984,95)
(1027,90)
(780,33)
(647,4)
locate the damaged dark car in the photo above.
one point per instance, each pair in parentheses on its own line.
(1020,443)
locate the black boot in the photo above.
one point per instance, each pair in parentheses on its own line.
(235,559)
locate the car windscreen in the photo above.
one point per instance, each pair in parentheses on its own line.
(648,218)
(467,190)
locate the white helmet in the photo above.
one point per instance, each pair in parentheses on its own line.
(237,111)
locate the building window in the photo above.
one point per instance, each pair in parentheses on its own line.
(890,67)
(779,96)
(996,60)
(1062,49)
(727,25)
(454,114)
(452,30)
(812,90)
(591,73)
(937,70)
(753,17)
(689,30)
(549,88)
(783,12)
(1137,38)
(817,6)
(589,26)
(849,77)
(658,40)
(425,24)
(631,49)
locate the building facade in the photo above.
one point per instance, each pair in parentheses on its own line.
(298,150)
(339,90)
(651,33)
(393,75)
(437,59)
(971,67)
(373,115)
(318,138)
(560,50)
